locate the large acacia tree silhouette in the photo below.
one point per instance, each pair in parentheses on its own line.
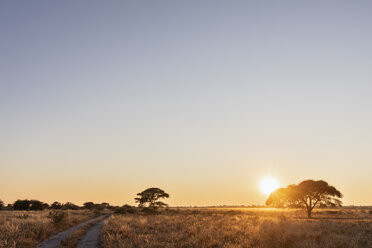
(151,197)
(306,194)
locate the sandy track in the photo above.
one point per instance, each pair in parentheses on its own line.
(92,238)
(56,240)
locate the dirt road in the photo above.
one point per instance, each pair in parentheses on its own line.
(92,238)
(56,240)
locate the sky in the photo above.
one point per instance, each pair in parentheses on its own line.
(100,100)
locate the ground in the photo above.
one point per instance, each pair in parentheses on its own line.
(20,229)
(197,227)
(265,228)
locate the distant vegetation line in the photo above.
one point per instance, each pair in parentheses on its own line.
(36,205)
(307,194)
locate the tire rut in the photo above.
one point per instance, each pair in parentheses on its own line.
(92,238)
(55,241)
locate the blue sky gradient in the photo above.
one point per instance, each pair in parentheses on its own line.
(99,100)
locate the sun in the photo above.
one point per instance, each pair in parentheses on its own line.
(268,185)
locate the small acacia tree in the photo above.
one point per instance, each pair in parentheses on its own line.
(1,204)
(151,197)
(306,194)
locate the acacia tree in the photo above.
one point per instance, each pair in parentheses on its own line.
(306,194)
(1,204)
(151,197)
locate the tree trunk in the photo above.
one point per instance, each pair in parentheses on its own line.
(309,213)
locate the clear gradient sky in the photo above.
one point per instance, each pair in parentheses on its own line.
(101,99)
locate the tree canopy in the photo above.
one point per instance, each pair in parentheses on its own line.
(29,205)
(151,197)
(306,194)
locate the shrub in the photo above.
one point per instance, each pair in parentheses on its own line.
(36,205)
(97,212)
(69,205)
(125,209)
(88,205)
(29,205)
(58,218)
(149,210)
(56,205)
(21,205)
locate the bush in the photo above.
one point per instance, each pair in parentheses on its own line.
(172,211)
(69,205)
(149,210)
(126,209)
(58,218)
(29,205)
(97,212)
(21,205)
(56,205)
(37,205)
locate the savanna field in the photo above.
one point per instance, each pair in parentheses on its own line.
(28,228)
(201,227)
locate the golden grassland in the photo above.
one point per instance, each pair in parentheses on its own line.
(200,227)
(238,228)
(28,228)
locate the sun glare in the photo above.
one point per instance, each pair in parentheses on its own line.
(268,185)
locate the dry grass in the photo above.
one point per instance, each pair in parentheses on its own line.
(241,228)
(20,229)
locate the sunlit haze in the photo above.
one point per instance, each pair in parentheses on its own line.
(100,100)
(269,184)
